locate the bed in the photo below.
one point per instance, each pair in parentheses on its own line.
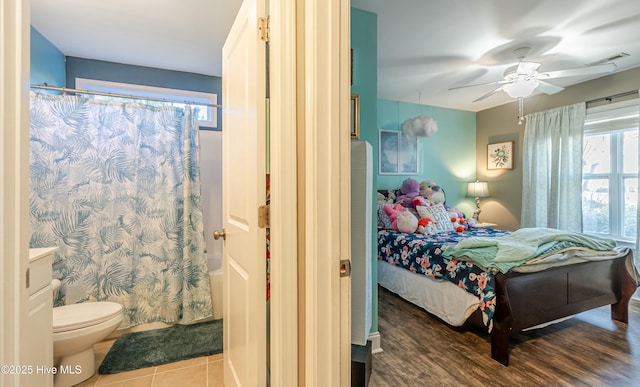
(562,281)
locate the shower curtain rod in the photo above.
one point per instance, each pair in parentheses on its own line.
(116,95)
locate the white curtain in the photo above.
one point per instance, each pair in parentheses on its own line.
(552,168)
(637,247)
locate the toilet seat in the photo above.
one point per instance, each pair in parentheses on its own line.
(76,316)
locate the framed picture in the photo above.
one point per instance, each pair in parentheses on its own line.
(351,67)
(500,155)
(355,116)
(398,154)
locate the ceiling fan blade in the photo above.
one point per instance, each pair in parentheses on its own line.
(527,67)
(478,84)
(596,69)
(548,88)
(489,94)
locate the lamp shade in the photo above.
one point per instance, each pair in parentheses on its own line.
(478,189)
(521,87)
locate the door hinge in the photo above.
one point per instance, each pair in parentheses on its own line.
(263,216)
(28,278)
(345,268)
(263,28)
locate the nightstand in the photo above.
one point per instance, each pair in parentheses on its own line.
(485,225)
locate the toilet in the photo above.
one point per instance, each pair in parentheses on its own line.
(76,328)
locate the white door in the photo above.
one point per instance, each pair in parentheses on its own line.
(243,191)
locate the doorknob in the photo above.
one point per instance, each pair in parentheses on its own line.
(220,234)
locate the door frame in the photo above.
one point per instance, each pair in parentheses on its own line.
(14,174)
(284,187)
(324,191)
(310,192)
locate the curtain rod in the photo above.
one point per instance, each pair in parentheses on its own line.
(116,95)
(609,98)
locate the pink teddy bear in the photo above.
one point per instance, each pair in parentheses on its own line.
(393,213)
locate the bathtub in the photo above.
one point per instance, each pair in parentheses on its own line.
(215,279)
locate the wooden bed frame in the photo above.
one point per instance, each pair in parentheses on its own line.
(525,300)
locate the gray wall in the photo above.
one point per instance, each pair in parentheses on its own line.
(500,124)
(139,75)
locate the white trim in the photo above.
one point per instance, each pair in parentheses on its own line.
(611,117)
(14,196)
(375,339)
(616,180)
(342,18)
(283,212)
(196,97)
(325,191)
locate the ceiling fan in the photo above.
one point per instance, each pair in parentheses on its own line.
(522,79)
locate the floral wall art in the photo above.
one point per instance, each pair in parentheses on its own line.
(500,155)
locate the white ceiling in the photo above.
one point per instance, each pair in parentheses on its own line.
(184,35)
(425,47)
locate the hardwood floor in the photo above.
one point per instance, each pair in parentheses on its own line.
(587,350)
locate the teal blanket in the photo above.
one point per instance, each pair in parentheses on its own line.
(522,245)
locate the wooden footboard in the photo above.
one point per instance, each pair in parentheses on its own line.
(525,300)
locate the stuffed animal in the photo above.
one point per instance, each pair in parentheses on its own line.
(382,199)
(426,226)
(459,223)
(457,211)
(393,213)
(432,192)
(407,222)
(388,197)
(409,190)
(420,201)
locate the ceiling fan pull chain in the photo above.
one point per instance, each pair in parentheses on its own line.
(520,110)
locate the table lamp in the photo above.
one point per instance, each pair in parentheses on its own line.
(478,189)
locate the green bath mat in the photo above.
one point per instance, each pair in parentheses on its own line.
(151,348)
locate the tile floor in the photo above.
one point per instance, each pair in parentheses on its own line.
(204,371)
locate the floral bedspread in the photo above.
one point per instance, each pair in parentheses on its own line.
(422,254)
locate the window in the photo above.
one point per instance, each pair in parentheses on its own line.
(207,115)
(610,171)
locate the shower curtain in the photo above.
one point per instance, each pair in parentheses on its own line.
(116,187)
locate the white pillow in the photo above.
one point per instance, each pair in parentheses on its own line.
(439,216)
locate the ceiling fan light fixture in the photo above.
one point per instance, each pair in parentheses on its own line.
(520,88)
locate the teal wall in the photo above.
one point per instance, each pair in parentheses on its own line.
(364,42)
(448,157)
(47,62)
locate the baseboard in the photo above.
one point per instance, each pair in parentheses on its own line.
(375,342)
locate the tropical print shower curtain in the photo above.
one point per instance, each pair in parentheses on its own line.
(116,187)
